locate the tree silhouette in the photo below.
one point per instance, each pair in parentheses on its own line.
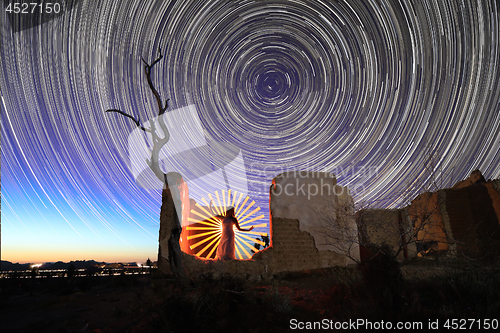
(175,255)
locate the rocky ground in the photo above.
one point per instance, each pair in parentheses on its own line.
(151,303)
(143,304)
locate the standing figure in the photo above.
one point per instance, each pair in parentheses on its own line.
(226,247)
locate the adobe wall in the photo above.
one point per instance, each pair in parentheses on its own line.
(324,209)
(385,226)
(427,211)
(292,250)
(474,217)
(295,244)
(458,221)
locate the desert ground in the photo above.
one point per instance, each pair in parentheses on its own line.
(421,292)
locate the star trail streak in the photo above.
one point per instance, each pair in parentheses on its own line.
(365,89)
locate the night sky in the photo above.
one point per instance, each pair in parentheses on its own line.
(368,90)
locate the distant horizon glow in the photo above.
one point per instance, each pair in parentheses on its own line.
(364,89)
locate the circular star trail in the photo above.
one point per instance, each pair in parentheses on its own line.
(381,93)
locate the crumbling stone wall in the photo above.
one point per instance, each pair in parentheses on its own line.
(426,213)
(385,226)
(295,250)
(458,221)
(170,240)
(166,220)
(325,210)
(474,221)
(292,248)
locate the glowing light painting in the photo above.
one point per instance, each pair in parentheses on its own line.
(205,230)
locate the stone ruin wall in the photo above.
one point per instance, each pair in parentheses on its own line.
(296,240)
(472,219)
(458,221)
(378,226)
(464,221)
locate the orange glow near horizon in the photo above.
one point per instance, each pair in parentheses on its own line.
(37,256)
(204,232)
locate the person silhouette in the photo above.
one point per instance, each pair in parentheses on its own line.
(226,248)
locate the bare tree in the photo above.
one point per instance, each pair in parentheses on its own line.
(411,232)
(432,178)
(175,254)
(400,230)
(336,223)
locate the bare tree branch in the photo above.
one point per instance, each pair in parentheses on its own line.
(147,69)
(157,141)
(136,121)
